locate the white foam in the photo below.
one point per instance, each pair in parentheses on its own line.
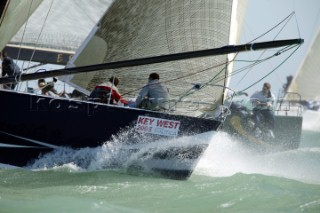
(115,154)
(311,120)
(226,157)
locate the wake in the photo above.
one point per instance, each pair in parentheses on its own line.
(225,157)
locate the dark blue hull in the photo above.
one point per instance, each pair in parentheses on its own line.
(31,125)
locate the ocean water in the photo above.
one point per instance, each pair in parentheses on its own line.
(228,178)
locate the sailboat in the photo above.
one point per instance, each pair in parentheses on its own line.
(183,41)
(309,92)
(286,135)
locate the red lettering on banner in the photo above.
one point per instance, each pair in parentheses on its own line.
(145,121)
(140,121)
(151,121)
(167,124)
(160,123)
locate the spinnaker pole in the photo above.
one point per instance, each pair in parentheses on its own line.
(155,59)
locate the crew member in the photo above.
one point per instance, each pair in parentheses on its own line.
(108,93)
(9,69)
(154,95)
(263,101)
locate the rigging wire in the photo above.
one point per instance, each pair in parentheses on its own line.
(216,80)
(261,61)
(256,62)
(217,77)
(286,20)
(24,30)
(19,51)
(297,25)
(43,25)
(272,28)
(298,46)
(182,77)
(34,66)
(294,15)
(36,43)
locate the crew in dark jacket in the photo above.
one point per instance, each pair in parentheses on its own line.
(10,69)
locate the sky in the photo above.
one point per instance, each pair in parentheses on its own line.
(262,15)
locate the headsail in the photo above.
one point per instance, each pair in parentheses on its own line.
(13,14)
(56,30)
(137,29)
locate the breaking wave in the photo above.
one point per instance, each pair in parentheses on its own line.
(119,153)
(226,157)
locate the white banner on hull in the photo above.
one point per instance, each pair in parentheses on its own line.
(157,126)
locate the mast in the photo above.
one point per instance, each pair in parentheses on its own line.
(156,59)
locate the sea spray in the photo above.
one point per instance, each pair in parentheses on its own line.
(311,121)
(226,157)
(127,151)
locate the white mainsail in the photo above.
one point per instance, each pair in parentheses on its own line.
(137,29)
(306,82)
(14,14)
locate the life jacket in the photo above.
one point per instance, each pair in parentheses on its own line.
(102,94)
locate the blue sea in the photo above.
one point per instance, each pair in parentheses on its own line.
(228,178)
